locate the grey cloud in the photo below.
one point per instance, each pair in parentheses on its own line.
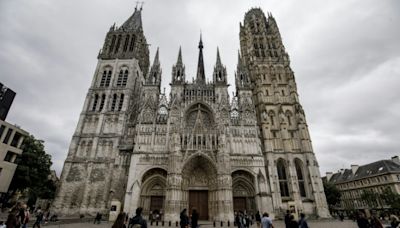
(345,55)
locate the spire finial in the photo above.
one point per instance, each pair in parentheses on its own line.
(179,61)
(201,41)
(156,58)
(218,57)
(200,66)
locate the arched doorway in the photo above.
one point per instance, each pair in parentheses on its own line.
(152,195)
(199,186)
(243,192)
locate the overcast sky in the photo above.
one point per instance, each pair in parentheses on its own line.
(345,55)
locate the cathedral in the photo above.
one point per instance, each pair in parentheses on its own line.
(196,147)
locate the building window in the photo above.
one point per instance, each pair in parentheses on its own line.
(103,79)
(15,140)
(112,43)
(7,138)
(282,176)
(95,101)
(114,102)
(103,99)
(118,43)
(10,157)
(108,78)
(300,177)
(2,127)
(125,78)
(121,102)
(119,80)
(132,43)
(126,42)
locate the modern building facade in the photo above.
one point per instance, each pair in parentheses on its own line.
(375,177)
(11,138)
(196,147)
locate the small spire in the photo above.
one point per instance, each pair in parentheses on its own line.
(218,57)
(179,61)
(156,58)
(200,65)
(201,42)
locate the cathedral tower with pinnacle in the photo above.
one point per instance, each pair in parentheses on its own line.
(134,146)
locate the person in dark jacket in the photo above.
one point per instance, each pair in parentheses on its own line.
(362,221)
(120,221)
(287,219)
(258,219)
(12,219)
(293,223)
(184,219)
(195,218)
(138,219)
(302,221)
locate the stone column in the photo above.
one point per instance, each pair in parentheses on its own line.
(173,197)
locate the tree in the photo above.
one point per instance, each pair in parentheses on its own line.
(370,197)
(332,194)
(390,198)
(33,170)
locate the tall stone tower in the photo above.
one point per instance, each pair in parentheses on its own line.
(291,165)
(95,171)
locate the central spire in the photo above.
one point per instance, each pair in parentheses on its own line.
(200,66)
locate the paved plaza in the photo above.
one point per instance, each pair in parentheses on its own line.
(277,224)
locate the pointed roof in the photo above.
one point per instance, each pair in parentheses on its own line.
(156,58)
(179,61)
(134,22)
(200,65)
(218,58)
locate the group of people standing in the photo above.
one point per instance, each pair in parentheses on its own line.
(19,216)
(123,221)
(193,221)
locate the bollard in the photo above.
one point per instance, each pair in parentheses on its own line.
(229,223)
(162,223)
(214,223)
(156,223)
(169,223)
(222,223)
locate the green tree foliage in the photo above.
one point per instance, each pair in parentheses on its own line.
(390,198)
(332,194)
(370,198)
(33,170)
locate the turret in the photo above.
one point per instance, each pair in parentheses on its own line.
(242,79)
(178,70)
(219,75)
(200,77)
(154,76)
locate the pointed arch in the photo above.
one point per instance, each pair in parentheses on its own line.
(283,177)
(300,177)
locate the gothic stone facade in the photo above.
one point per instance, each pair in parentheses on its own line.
(198,148)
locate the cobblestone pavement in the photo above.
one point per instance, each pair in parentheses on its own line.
(277,224)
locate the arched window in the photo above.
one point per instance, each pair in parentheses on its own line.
(126,43)
(119,80)
(103,79)
(118,43)
(103,99)
(271,116)
(125,78)
(132,44)
(108,78)
(95,101)
(114,102)
(112,43)
(121,102)
(300,177)
(282,176)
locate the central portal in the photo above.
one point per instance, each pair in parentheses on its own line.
(198,199)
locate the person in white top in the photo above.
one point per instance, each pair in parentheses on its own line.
(266,221)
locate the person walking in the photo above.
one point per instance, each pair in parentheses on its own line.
(24,216)
(12,219)
(302,221)
(184,223)
(362,221)
(195,218)
(97,219)
(375,222)
(287,219)
(39,218)
(266,221)
(138,221)
(120,221)
(258,219)
(293,223)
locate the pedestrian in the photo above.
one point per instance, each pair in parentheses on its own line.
(341,216)
(394,221)
(362,221)
(97,219)
(266,221)
(24,216)
(184,223)
(293,223)
(302,221)
(375,222)
(238,220)
(39,217)
(120,221)
(12,220)
(138,221)
(287,218)
(258,219)
(195,218)
(2,224)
